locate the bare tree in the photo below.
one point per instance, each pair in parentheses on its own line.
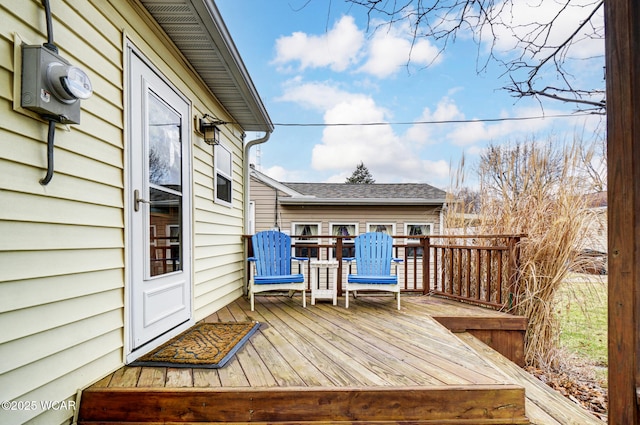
(508,171)
(470,199)
(546,51)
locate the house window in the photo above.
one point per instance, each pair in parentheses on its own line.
(416,229)
(388,228)
(223,175)
(173,234)
(344,229)
(153,235)
(303,234)
(173,252)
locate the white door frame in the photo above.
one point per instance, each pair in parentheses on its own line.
(131,351)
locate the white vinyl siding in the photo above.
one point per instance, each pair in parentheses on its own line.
(219,256)
(62,255)
(62,250)
(360,215)
(266,212)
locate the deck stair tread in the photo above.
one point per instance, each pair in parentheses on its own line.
(543,403)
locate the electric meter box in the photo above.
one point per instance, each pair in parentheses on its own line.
(51,86)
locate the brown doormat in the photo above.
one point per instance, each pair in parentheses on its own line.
(205,345)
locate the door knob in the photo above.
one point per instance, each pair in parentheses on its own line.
(137,199)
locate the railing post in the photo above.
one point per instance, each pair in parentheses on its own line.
(248,246)
(426,265)
(514,271)
(339,260)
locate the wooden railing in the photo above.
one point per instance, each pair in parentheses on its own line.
(476,269)
(479,269)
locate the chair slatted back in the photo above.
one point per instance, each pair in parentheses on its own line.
(373,254)
(272,250)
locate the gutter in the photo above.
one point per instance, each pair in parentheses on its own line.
(360,201)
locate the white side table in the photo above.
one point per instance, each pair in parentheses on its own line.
(326,294)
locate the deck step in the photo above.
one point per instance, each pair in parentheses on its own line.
(456,405)
(541,398)
(504,334)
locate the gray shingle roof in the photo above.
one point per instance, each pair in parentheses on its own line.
(389,193)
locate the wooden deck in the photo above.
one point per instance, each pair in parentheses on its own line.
(368,363)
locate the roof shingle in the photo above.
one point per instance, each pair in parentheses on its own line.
(376,191)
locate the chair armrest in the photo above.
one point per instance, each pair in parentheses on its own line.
(300,258)
(252,259)
(348,259)
(397,260)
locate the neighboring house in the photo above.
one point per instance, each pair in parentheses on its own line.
(139,233)
(307,209)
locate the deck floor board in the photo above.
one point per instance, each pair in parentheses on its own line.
(419,352)
(334,365)
(369,345)
(355,353)
(447,357)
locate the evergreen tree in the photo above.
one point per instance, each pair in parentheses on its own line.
(361,175)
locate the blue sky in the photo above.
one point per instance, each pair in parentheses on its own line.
(315,62)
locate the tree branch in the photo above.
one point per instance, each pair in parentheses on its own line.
(441,20)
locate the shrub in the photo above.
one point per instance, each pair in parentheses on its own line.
(538,190)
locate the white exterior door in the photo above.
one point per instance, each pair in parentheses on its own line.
(160,222)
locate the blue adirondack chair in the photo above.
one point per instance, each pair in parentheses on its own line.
(272,266)
(373,262)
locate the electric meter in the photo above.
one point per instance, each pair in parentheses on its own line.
(68,83)
(51,86)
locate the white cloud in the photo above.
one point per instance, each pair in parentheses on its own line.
(446,110)
(390,51)
(416,155)
(316,95)
(388,156)
(336,49)
(338,178)
(282,174)
(471,133)
(343,47)
(475,150)
(522,18)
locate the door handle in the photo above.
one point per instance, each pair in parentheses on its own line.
(137,199)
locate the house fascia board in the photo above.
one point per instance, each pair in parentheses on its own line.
(362,201)
(241,95)
(217,30)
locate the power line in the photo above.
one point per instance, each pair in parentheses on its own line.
(434,122)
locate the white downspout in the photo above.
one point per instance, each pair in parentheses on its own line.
(247,185)
(247,182)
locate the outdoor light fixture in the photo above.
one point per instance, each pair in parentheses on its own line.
(210,129)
